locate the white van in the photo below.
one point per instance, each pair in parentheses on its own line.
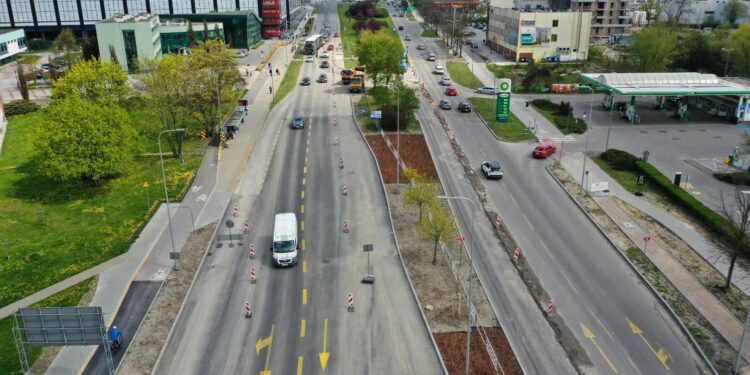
(284,248)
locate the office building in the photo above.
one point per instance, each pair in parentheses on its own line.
(12,42)
(175,34)
(241,29)
(130,39)
(525,35)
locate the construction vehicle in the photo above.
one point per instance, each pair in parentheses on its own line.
(346,76)
(357,82)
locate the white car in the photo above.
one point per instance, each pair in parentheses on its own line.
(446,81)
(487,90)
(324,54)
(438,70)
(431,57)
(309,58)
(492,169)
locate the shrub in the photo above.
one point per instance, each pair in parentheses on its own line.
(388,122)
(544,104)
(569,125)
(362,10)
(619,159)
(741,178)
(369,25)
(39,45)
(19,107)
(564,109)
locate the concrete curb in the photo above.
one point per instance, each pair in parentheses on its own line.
(640,275)
(190,289)
(395,238)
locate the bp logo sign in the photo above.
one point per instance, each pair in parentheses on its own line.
(503,101)
(504,86)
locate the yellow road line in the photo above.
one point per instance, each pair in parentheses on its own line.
(302,194)
(304,296)
(305,159)
(307,150)
(304,170)
(304,266)
(303,245)
(302,225)
(302,209)
(304,181)
(299,365)
(302,328)
(308,141)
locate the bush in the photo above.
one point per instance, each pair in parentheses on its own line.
(569,125)
(369,25)
(388,122)
(39,45)
(544,104)
(362,10)
(564,109)
(619,159)
(741,178)
(19,107)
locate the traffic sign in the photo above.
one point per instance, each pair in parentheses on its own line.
(376,114)
(229,224)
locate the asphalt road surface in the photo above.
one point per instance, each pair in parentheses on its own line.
(300,323)
(620,324)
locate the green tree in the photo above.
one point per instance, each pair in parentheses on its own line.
(381,52)
(65,44)
(653,48)
(214,73)
(84,140)
(739,56)
(421,193)
(100,82)
(170,88)
(735,10)
(407,100)
(692,51)
(90,49)
(736,211)
(438,227)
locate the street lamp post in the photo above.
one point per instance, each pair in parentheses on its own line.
(586,143)
(726,64)
(398,134)
(166,195)
(471,269)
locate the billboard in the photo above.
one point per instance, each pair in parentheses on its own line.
(535,36)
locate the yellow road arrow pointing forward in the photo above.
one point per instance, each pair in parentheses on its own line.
(262,343)
(662,355)
(590,335)
(324,354)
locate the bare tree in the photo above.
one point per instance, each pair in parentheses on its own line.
(675,9)
(736,210)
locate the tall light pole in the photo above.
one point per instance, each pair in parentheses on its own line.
(166,195)
(586,143)
(398,134)
(471,269)
(611,115)
(726,65)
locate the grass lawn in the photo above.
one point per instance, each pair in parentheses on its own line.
(627,179)
(512,131)
(55,230)
(427,32)
(549,111)
(9,362)
(288,82)
(349,37)
(369,126)
(410,16)
(461,74)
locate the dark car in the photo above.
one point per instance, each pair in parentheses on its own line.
(445,104)
(325,64)
(400,27)
(305,81)
(298,123)
(322,78)
(464,107)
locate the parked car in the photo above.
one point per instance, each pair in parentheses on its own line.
(487,90)
(305,81)
(446,81)
(325,64)
(240,54)
(473,44)
(322,78)
(400,28)
(331,47)
(451,91)
(543,150)
(438,70)
(492,170)
(420,46)
(464,107)
(309,58)
(445,104)
(298,123)
(431,57)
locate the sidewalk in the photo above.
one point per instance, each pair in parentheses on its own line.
(698,296)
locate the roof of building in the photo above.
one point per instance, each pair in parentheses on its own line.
(5,31)
(128,18)
(666,84)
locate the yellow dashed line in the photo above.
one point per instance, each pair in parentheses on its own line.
(304,296)
(302,225)
(305,159)
(304,170)
(303,245)
(304,181)
(300,360)
(302,194)
(302,328)
(302,209)
(308,141)
(304,266)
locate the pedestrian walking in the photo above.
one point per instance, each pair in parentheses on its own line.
(270,89)
(277,72)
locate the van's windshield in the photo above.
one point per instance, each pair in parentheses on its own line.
(283,246)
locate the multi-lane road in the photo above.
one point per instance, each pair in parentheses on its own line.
(620,324)
(300,322)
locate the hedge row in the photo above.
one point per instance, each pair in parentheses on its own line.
(737,178)
(569,125)
(19,107)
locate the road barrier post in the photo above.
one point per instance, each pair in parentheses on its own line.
(346,227)
(516,255)
(248,312)
(550,308)
(252,251)
(350,306)
(246,226)
(341,164)
(498,221)
(344,190)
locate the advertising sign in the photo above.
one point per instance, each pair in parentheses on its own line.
(503,100)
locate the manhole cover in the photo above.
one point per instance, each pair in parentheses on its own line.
(326,260)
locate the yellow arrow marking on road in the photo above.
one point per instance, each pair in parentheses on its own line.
(590,335)
(662,354)
(324,354)
(304,296)
(262,343)
(300,360)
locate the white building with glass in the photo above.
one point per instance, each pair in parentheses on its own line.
(12,42)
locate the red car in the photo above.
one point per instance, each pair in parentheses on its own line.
(543,150)
(451,91)
(330,47)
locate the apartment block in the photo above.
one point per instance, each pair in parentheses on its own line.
(609,17)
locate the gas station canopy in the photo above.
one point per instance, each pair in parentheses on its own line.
(676,84)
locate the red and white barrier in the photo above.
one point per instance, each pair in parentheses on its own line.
(550,308)
(344,189)
(484,196)
(246,226)
(346,227)
(336,141)
(472,170)
(516,255)
(236,210)
(461,239)
(252,275)
(341,164)
(252,251)
(350,303)
(498,222)
(248,312)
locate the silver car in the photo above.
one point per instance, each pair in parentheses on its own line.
(487,90)
(446,81)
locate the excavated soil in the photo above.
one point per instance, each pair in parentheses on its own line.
(414,153)
(453,348)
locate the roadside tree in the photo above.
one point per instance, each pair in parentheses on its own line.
(736,210)
(90,49)
(439,226)
(65,45)
(421,193)
(84,140)
(381,52)
(96,81)
(653,49)
(169,87)
(739,45)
